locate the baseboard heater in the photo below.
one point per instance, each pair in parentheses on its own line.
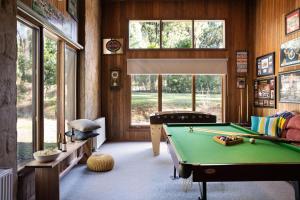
(6,184)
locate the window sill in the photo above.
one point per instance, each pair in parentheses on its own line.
(22,165)
(139,127)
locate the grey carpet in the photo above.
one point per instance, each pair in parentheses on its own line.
(138,175)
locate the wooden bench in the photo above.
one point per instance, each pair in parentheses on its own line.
(47,175)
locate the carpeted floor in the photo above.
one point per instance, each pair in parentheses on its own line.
(138,175)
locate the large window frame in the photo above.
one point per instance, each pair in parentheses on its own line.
(35,67)
(193,35)
(193,89)
(42,30)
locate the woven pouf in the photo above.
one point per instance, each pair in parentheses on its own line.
(100,162)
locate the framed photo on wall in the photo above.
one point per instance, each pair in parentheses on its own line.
(289,53)
(241,61)
(265,65)
(292,22)
(241,82)
(289,87)
(115,78)
(265,92)
(72,8)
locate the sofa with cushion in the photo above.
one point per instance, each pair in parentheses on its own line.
(284,125)
(292,128)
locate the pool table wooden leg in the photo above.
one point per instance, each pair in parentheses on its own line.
(203,191)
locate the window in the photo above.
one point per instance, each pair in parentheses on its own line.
(176,92)
(70,85)
(26,65)
(50,92)
(144,34)
(40,83)
(177,34)
(144,98)
(173,92)
(172,34)
(209,94)
(209,34)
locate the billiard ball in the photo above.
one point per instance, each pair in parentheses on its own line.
(252,140)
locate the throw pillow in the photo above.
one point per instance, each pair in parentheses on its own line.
(294,122)
(83,125)
(271,126)
(79,135)
(262,124)
(293,134)
(254,123)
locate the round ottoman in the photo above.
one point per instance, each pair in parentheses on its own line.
(100,162)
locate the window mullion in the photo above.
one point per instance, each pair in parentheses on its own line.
(159,93)
(193,93)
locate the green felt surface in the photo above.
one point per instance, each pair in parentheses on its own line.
(198,147)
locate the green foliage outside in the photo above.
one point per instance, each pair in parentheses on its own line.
(50,60)
(177,84)
(24,65)
(176,34)
(209,34)
(177,95)
(144,35)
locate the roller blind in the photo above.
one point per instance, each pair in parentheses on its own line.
(177,66)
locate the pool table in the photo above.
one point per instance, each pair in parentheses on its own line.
(194,152)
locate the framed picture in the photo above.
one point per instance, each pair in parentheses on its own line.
(241,82)
(115,78)
(292,21)
(113,46)
(289,53)
(289,87)
(265,92)
(241,61)
(265,65)
(72,8)
(49,12)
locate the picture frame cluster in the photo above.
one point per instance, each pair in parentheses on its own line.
(288,81)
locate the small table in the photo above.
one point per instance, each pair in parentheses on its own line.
(47,175)
(194,152)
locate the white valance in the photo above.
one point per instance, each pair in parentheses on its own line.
(177,66)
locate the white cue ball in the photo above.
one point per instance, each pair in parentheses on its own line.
(252,140)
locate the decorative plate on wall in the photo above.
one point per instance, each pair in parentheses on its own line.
(112,46)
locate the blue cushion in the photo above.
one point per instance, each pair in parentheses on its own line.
(79,135)
(254,123)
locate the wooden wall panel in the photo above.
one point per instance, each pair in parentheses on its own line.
(90,60)
(116,103)
(269,33)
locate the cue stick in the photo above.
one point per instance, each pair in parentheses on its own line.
(247,104)
(261,136)
(241,105)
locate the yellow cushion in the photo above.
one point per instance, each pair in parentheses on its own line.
(100,162)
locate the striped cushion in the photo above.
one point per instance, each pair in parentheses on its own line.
(271,128)
(254,123)
(264,125)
